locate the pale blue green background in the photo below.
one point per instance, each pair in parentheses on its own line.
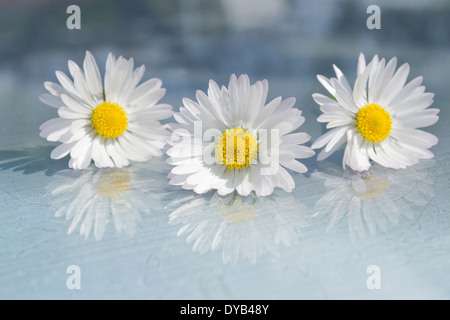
(132,251)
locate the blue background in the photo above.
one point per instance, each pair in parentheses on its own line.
(315,243)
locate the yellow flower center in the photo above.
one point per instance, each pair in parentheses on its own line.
(236,148)
(109,120)
(374,122)
(374,187)
(237,211)
(114,183)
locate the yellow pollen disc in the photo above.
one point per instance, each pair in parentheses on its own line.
(237,211)
(374,187)
(114,183)
(236,148)
(374,122)
(109,120)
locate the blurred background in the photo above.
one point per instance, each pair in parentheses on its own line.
(185,43)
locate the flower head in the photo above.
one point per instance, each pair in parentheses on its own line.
(378,119)
(231,139)
(112,123)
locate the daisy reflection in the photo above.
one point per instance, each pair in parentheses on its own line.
(96,198)
(244,227)
(373,200)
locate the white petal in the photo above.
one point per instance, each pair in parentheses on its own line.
(321,99)
(411,104)
(301,151)
(195,178)
(66,83)
(80,83)
(394,86)
(53,122)
(382,78)
(285,180)
(245,187)
(84,160)
(99,153)
(119,160)
(78,124)
(361,64)
(81,146)
(266,112)
(342,79)
(67,113)
(61,151)
(110,62)
(205,111)
(355,156)
(334,108)
(185,169)
(51,100)
(344,98)
(53,129)
(76,106)
(54,88)
(325,154)
(135,149)
(149,91)
(234,104)
(336,138)
(92,73)
(378,157)
(327,84)
(294,165)
(415,137)
(79,134)
(359,88)
(419,121)
(406,91)
(326,137)
(295,138)
(335,118)
(393,149)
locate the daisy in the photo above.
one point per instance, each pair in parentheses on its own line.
(378,119)
(230,139)
(241,227)
(111,123)
(373,200)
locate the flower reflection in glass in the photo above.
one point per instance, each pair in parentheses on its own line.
(245,227)
(373,200)
(97,197)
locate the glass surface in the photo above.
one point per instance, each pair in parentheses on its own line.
(134,236)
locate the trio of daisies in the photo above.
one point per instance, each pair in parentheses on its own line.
(231,138)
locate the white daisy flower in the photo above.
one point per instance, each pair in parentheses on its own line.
(112,124)
(251,144)
(373,200)
(242,227)
(378,119)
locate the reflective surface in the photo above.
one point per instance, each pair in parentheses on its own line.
(134,236)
